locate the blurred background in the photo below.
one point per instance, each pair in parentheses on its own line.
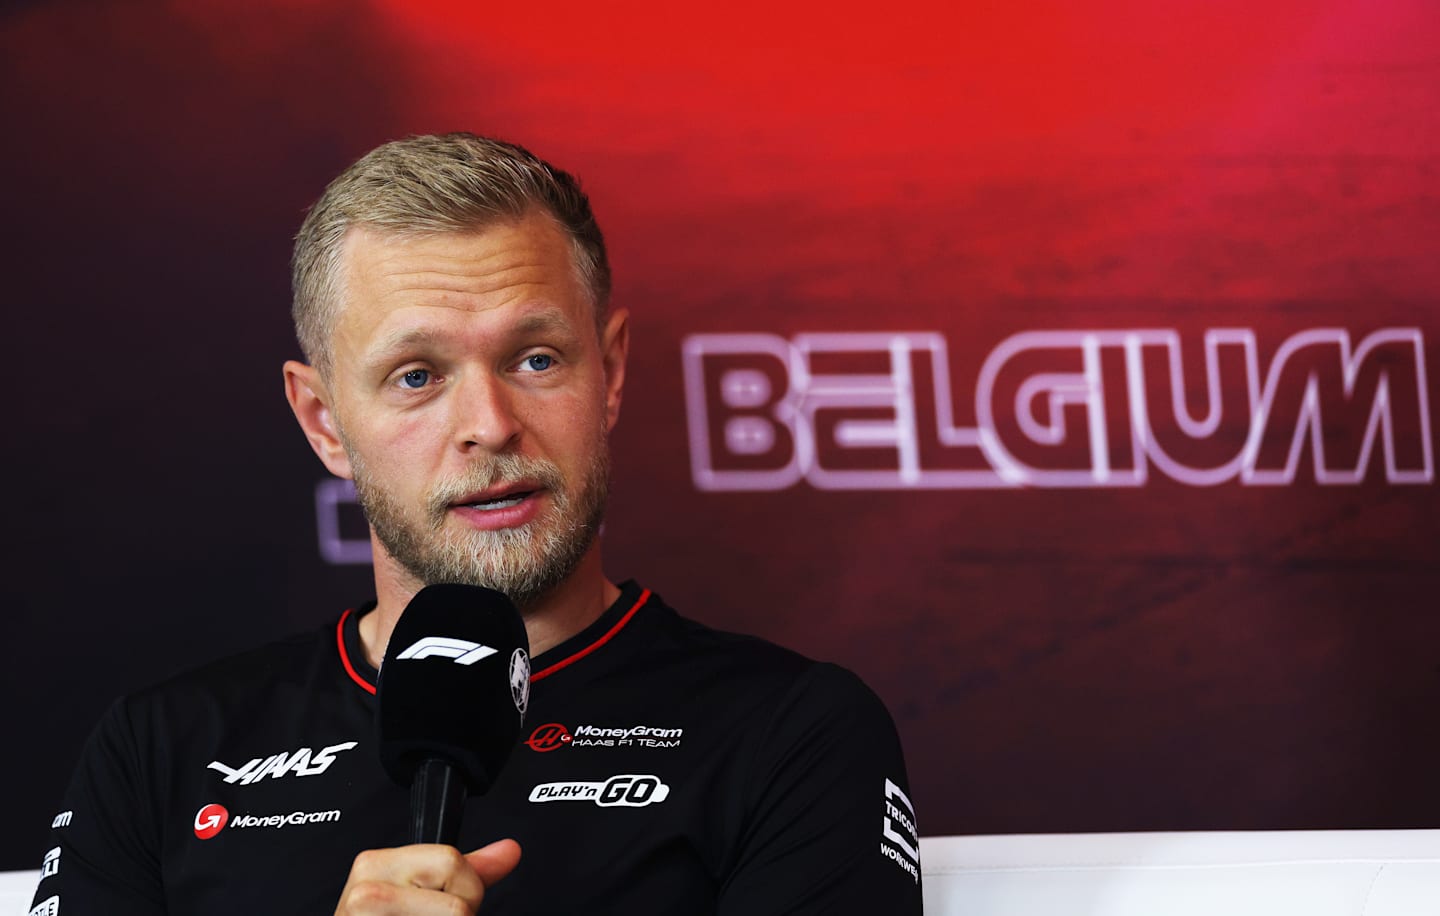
(1067,370)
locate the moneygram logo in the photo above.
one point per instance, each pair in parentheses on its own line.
(210,820)
(1057,408)
(553,735)
(293,819)
(628,790)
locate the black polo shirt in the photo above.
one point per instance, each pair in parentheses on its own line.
(666,768)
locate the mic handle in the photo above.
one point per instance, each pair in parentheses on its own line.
(437,799)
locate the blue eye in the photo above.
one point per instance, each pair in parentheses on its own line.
(415,378)
(539,362)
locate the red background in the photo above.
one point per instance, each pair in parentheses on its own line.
(1056,659)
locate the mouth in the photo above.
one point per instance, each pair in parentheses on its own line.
(497,498)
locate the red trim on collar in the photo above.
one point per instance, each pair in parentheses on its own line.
(345,655)
(620,625)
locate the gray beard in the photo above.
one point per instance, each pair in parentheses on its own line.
(526,562)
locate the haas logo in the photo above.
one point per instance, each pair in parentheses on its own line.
(548,737)
(303,762)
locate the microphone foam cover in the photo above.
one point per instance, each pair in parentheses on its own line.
(454,684)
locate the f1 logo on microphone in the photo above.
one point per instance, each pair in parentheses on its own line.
(462,651)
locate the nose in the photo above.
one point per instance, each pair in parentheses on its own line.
(484,415)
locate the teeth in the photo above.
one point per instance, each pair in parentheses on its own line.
(492,505)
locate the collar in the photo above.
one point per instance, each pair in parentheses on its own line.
(587,641)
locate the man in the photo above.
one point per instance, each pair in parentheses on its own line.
(465,370)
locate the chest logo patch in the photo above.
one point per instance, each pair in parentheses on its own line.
(303,762)
(553,735)
(210,820)
(627,790)
(548,737)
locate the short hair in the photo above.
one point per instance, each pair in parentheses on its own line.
(429,184)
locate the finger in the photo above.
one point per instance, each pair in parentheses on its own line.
(373,898)
(411,879)
(495,861)
(420,865)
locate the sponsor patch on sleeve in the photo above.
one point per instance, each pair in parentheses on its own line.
(50,906)
(899,837)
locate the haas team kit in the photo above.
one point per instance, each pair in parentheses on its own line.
(662,767)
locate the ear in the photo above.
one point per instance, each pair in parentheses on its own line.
(614,347)
(306,392)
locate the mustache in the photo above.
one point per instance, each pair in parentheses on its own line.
(491,472)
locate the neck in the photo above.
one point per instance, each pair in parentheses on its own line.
(562,612)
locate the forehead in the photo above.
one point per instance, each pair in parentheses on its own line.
(391,280)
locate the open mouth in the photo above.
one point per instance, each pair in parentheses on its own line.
(499,502)
(496,501)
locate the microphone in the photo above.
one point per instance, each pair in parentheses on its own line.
(451,698)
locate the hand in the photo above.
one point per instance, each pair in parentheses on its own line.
(424,879)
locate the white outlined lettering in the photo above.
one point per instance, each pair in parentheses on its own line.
(1057,408)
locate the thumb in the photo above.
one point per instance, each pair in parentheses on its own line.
(495,861)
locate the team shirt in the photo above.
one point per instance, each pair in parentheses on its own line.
(665,767)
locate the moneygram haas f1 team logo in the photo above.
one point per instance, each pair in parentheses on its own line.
(553,735)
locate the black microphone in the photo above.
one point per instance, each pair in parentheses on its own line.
(451,701)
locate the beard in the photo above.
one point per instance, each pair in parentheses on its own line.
(524,562)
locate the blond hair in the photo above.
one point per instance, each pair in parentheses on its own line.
(427,184)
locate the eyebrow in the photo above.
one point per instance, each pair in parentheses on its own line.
(547,320)
(397,341)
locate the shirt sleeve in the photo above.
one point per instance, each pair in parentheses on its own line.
(104,843)
(829,823)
